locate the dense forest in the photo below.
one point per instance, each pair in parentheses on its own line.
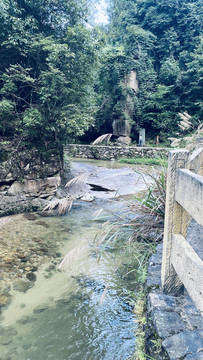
(48,61)
(63,77)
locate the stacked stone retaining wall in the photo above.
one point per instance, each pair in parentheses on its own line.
(102,152)
(29,178)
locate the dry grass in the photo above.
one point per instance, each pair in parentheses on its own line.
(136,237)
(61,206)
(74,255)
(77,180)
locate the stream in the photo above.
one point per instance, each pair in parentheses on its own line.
(71,309)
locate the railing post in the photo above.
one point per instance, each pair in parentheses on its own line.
(176,220)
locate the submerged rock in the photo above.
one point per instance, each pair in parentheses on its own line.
(26,320)
(22,257)
(8,259)
(31,276)
(40,309)
(42,223)
(5,339)
(30,216)
(4,286)
(87,282)
(5,299)
(22,285)
(6,336)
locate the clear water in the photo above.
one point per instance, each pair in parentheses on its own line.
(80,312)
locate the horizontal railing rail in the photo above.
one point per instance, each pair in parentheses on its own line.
(181,264)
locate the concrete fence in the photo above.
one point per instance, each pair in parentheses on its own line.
(181,265)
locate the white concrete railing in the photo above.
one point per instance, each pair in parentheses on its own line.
(181,265)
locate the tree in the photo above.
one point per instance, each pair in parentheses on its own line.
(115,65)
(162,41)
(48,63)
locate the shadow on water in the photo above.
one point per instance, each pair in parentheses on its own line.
(78,313)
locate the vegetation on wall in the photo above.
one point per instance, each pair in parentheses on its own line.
(162,41)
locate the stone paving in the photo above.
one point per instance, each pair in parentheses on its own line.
(176,320)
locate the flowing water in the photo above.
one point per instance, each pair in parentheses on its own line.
(77,312)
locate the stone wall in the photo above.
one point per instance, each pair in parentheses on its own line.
(174,329)
(112,152)
(28,178)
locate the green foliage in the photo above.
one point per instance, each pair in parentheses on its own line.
(6,115)
(114,68)
(161,41)
(49,59)
(153,201)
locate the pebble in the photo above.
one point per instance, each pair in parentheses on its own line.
(5,300)
(58,255)
(42,223)
(8,260)
(26,319)
(22,285)
(40,309)
(5,339)
(28,269)
(30,216)
(21,256)
(31,276)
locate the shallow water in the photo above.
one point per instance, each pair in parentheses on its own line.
(80,312)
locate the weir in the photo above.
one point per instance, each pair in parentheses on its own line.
(102,152)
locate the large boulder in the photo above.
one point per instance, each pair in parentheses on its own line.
(28,178)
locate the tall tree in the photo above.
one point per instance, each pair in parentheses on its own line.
(48,62)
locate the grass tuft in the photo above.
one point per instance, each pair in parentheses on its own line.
(135,238)
(144,161)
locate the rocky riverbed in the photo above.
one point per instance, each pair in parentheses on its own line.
(21,256)
(23,252)
(80,311)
